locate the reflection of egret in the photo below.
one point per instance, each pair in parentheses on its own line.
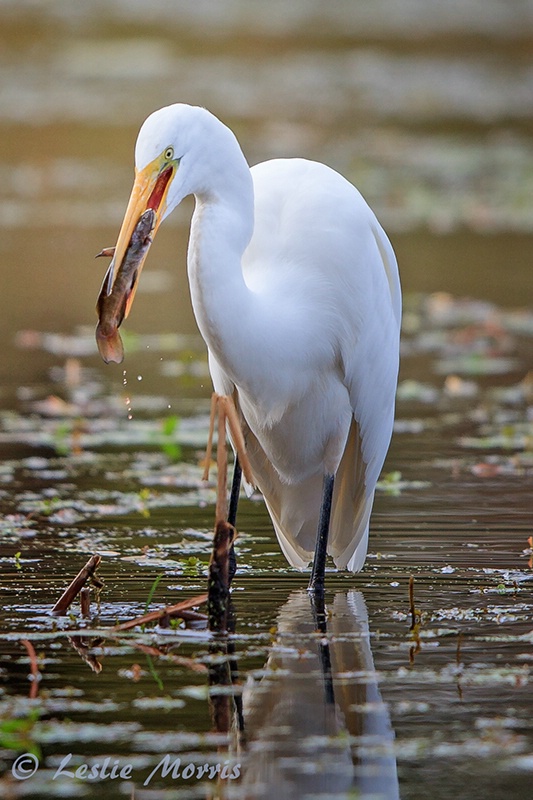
(295,289)
(304,740)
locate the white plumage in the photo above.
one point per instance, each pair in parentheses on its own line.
(296,292)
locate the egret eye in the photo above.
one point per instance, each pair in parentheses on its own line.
(169,154)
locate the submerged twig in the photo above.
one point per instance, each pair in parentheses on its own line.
(154,616)
(85,602)
(71,592)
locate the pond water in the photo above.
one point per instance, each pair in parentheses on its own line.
(420,685)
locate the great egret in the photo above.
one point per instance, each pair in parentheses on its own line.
(295,289)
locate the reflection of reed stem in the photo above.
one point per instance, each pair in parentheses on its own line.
(416,615)
(34,666)
(415,622)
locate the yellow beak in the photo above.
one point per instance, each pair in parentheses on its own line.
(149,191)
(116,296)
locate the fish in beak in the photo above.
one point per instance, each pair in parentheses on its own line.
(112,307)
(143,216)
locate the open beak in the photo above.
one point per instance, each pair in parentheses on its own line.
(120,283)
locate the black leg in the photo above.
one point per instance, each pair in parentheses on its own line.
(316,584)
(232,513)
(235,490)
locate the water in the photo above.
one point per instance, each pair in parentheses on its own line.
(428,110)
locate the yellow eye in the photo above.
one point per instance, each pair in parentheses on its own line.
(169,154)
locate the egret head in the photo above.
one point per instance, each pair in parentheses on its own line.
(174,154)
(173,158)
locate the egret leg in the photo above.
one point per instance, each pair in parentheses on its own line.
(235,491)
(232,513)
(316,583)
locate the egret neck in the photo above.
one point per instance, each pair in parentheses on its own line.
(221,228)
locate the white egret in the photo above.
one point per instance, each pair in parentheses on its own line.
(295,290)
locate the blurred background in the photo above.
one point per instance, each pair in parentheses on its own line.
(427,106)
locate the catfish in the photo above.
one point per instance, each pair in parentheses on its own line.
(114,295)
